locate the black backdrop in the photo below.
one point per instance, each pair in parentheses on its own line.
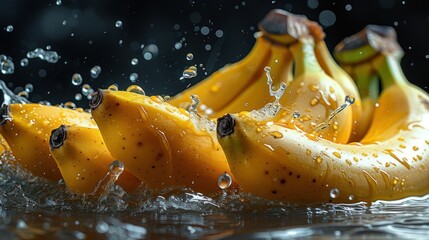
(84,34)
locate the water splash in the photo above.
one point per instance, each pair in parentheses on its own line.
(270,110)
(9,97)
(200,122)
(348,101)
(6,65)
(48,56)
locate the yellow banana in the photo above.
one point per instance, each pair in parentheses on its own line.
(158,142)
(315,95)
(27,127)
(83,158)
(224,85)
(391,161)
(4,146)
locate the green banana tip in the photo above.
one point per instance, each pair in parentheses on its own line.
(4,114)
(225,125)
(58,136)
(97,98)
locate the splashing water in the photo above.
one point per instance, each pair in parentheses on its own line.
(347,102)
(190,72)
(200,122)
(270,110)
(48,56)
(6,65)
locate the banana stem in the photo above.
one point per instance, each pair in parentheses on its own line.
(366,80)
(389,69)
(305,58)
(325,58)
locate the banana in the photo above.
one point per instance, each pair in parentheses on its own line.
(224,85)
(331,68)
(158,142)
(312,92)
(4,146)
(391,162)
(27,127)
(83,158)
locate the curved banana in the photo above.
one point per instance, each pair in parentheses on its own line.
(158,142)
(312,92)
(224,85)
(83,158)
(4,146)
(27,127)
(391,161)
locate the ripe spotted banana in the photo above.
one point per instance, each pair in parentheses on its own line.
(83,158)
(391,161)
(27,127)
(158,142)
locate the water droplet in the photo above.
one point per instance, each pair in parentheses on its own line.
(28,87)
(136,89)
(327,18)
(116,167)
(334,193)
(23,94)
(296,114)
(95,71)
(134,61)
(351,197)
(134,77)
(224,181)
(9,28)
(219,33)
(58,2)
(348,7)
(189,56)
(205,30)
(6,65)
(70,105)
(64,22)
(189,72)
(313,4)
(24,62)
(208,47)
(77,79)
(102,227)
(86,89)
(113,87)
(118,24)
(42,73)
(178,45)
(78,96)
(147,56)
(49,56)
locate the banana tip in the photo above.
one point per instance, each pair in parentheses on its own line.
(58,136)
(225,125)
(96,99)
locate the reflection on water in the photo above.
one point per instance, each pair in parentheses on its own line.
(31,208)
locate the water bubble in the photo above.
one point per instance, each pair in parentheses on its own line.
(58,2)
(78,96)
(116,167)
(296,114)
(189,56)
(48,47)
(86,89)
(28,87)
(6,65)
(334,193)
(134,77)
(147,56)
(64,22)
(49,56)
(95,71)
(70,105)
(348,7)
(205,30)
(42,73)
(136,89)
(24,62)
(24,94)
(9,28)
(178,45)
(134,61)
(327,18)
(113,87)
(77,79)
(102,227)
(150,51)
(313,4)
(118,24)
(351,197)
(208,47)
(224,181)
(219,33)
(189,72)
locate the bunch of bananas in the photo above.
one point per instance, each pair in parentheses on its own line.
(331,137)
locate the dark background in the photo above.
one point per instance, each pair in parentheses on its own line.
(90,38)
